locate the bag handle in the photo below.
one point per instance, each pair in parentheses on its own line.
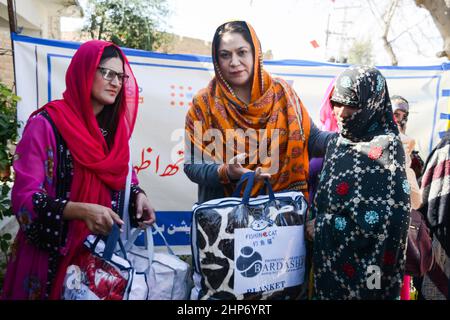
(155,226)
(244,178)
(267,187)
(126,202)
(249,187)
(111,243)
(148,240)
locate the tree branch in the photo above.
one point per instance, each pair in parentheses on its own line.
(387,18)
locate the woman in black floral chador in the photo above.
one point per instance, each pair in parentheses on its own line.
(362,203)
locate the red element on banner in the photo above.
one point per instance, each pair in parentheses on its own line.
(169,170)
(181,95)
(314,44)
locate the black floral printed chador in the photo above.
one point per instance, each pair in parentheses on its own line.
(362,204)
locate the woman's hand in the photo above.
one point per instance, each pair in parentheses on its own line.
(310,229)
(99,219)
(145,213)
(235,170)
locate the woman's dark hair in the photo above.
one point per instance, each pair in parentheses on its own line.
(396,97)
(108,118)
(229,27)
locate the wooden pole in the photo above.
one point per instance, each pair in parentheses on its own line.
(12,29)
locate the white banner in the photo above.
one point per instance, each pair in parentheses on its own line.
(167,84)
(268,260)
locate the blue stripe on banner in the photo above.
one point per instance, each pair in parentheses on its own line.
(438,86)
(49,82)
(198,58)
(169,66)
(46,42)
(49,69)
(304,75)
(445,116)
(175,226)
(36,73)
(446,93)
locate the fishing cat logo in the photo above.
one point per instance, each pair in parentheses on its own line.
(262,219)
(249,263)
(258,225)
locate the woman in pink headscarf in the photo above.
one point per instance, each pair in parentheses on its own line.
(328,123)
(71,166)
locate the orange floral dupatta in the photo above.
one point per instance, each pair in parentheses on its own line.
(273,105)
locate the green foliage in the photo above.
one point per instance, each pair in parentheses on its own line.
(5,203)
(361,53)
(130,23)
(8,124)
(8,137)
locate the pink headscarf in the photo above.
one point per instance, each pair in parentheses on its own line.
(326,111)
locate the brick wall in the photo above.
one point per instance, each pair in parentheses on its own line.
(186,45)
(6,61)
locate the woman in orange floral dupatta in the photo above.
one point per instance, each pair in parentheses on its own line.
(245,110)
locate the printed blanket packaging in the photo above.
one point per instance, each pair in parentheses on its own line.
(99,274)
(249,248)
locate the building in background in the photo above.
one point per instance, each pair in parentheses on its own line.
(37,18)
(176,45)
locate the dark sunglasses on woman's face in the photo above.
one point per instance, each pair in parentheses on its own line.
(110,75)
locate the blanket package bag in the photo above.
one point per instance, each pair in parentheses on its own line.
(98,273)
(168,276)
(249,248)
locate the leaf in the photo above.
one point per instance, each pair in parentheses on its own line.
(7,236)
(4,245)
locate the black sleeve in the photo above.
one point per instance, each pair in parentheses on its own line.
(203,173)
(318,141)
(49,230)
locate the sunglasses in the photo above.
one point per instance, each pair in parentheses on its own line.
(110,75)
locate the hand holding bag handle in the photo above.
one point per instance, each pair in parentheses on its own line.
(241,212)
(248,189)
(110,244)
(148,240)
(249,177)
(115,235)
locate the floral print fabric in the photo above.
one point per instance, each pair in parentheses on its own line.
(362,204)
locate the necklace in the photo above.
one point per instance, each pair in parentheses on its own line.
(104,132)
